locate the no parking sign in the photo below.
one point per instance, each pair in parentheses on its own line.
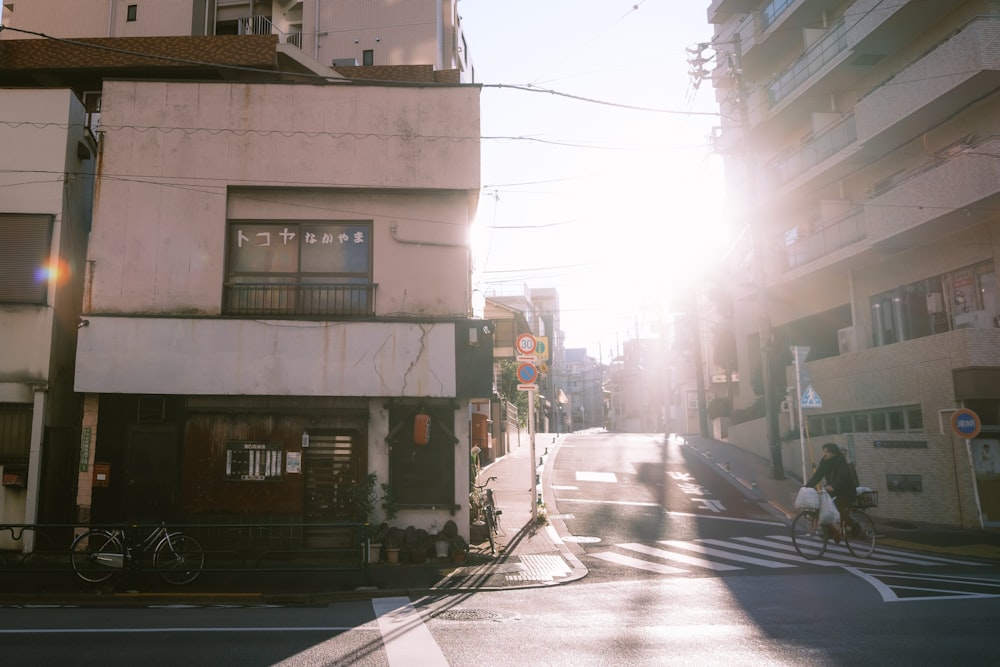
(966,423)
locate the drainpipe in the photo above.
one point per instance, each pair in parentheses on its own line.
(316,33)
(40,391)
(111,17)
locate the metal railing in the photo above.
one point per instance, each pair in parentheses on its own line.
(826,144)
(228,547)
(812,61)
(840,234)
(262,25)
(298,300)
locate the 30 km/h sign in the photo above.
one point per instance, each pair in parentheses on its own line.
(525,344)
(966,423)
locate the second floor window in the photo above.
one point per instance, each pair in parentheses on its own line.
(24,258)
(299,269)
(130,12)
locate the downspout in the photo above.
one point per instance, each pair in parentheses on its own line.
(111,17)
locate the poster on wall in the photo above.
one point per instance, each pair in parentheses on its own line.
(253,461)
(986,458)
(293,463)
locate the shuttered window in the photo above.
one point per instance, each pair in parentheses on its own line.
(15,432)
(24,255)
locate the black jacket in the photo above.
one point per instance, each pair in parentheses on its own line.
(837,472)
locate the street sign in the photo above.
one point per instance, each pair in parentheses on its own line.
(525,344)
(542,347)
(527,387)
(810,399)
(527,373)
(966,423)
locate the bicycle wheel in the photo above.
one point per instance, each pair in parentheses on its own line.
(860,541)
(96,555)
(808,536)
(491,528)
(178,559)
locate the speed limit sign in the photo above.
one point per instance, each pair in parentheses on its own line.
(525,344)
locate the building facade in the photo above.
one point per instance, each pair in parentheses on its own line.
(360,33)
(862,138)
(46,185)
(277,298)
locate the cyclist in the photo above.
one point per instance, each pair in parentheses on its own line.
(836,472)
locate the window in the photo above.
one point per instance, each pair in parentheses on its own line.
(24,258)
(15,432)
(368,57)
(130,12)
(300,269)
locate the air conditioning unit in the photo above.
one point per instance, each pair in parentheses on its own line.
(845,340)
(977,319)
(934,303)
(345,62)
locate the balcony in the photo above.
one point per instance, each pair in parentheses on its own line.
(822,146)
(300,300)
(837,234)
(938,197)
(953,74)
(813,61)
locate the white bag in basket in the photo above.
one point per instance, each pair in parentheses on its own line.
(828,513)
(808,499)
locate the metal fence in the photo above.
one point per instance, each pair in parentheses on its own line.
(295,300)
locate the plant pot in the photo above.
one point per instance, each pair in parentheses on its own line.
(458,555)
(374,553)
(392,555)
(441,548)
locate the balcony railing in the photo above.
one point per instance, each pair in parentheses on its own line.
(840,234)
(827,143)
(300,300)
(812,61)
(262,25)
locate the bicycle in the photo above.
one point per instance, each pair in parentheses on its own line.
(810,537)
(98,554)
(490,513)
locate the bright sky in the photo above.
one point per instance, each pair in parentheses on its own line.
(612,206)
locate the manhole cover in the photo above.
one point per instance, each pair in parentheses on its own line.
(470,615)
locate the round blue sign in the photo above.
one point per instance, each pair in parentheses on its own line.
(966,423)
(527,373)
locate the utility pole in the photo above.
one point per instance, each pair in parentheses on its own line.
(697,61)
(759,271)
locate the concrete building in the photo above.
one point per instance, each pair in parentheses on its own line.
(342,33)
(861,136)
(277,290)
(46,186)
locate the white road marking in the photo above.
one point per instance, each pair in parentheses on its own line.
(608,477)
(637,563)
(404,634)
(888,591)
(680,558)
(708,551)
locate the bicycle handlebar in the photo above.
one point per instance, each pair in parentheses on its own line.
(486,483)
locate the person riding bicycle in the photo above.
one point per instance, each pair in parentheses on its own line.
(836,472)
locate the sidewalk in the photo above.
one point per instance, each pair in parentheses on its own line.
(753,475)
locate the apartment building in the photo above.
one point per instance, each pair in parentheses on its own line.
(344,33)
(862,139)
(277,297)
(46,185)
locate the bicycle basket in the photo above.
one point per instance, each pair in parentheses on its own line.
(867,499)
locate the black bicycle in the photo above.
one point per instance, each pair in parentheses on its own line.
(810,537)
(98,554)
(490,512)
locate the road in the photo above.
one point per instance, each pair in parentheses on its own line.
(731,592)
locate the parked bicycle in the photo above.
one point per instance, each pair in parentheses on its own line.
(811,537)
(490,512)
(98,554)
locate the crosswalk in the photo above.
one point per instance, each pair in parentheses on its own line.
(772,552)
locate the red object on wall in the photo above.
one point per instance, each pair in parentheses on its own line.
(421,429)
